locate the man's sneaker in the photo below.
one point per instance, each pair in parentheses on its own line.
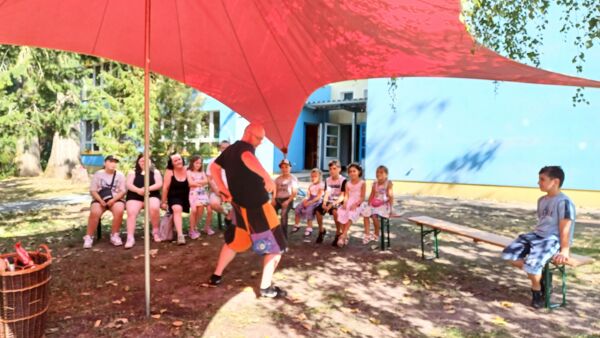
(272,292)
(321,236)
(130,242)
(115,239)
(537,299)
(194,234)
(215,280)
(180,240)
(88,241)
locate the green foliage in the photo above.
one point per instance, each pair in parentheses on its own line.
(117,102)
(44,91)
(515,28)
(39,95)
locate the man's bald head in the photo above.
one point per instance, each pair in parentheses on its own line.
(254,134)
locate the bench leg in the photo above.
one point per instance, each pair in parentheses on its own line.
(99,230)
(384,227)
(547,279)
(435,233)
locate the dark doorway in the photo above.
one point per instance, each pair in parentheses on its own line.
(345,144)
(311,146)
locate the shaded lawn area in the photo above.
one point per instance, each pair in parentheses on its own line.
(357,291)
(24,188)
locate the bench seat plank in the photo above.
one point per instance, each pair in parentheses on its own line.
(482,236)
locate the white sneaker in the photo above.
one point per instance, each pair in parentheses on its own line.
(130,242)
(115,239)
(88,241)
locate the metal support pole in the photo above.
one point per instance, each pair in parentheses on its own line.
(147,156)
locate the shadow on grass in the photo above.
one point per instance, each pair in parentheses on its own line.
(355,291)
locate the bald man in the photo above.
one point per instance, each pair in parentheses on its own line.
(255,224)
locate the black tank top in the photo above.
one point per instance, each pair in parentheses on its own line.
(179,189)
(138,181)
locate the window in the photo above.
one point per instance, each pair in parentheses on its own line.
(88,127)
(365,93)
(346,96)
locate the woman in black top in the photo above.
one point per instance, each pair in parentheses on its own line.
(135,199)
(176,192)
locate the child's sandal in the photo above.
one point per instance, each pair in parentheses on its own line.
(296,229)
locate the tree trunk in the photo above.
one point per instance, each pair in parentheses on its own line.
(64,157)
(28,157)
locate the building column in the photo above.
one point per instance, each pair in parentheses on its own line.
(353,138)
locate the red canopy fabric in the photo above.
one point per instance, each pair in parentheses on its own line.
(263,58)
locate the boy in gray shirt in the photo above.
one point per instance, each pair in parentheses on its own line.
(552,235)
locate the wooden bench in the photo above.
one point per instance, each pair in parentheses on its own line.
(435,226)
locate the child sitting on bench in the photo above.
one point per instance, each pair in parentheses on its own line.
(551,237)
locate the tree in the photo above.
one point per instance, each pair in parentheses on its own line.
(516,28)
(39,104)
(116,101)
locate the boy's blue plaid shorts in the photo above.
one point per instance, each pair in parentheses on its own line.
(533,249)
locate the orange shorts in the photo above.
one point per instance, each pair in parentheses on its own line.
(256,220)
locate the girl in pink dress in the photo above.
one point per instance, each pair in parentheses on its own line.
(198,195)
(354,202)
(306,209)
(380,203)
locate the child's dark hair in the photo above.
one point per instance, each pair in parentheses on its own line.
(554,172)
(193,159)
(170,161)
(138,169)
(384,168)
(335,163)
(357,167)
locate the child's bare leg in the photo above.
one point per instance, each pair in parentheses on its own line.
(319,221)
(208,220)
(367,226)
(193,221)
(376,224)
(535,281)
(518,263)
(339,227)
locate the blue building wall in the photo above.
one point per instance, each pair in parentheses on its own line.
(477,132)
(231,128)
(297,143)
(472,131)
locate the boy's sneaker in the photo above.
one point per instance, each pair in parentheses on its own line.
(130,242)
(272,292)
(321,236)
(88,241)
(194,234)
(537,299)
(115,239)
(215,280)
(335,240)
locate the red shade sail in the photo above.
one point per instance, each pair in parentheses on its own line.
(263,58)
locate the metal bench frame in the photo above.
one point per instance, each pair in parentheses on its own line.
(547,272)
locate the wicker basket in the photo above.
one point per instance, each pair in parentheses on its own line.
(24,297)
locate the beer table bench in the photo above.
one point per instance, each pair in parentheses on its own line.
(434,226)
